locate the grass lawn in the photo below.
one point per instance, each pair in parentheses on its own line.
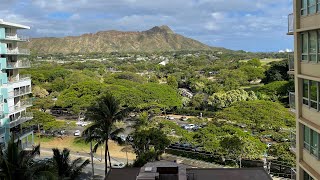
(265,61)
(77,145)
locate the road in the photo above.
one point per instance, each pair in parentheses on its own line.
(99,165)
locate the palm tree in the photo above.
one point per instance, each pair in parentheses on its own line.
(16,163)
(68,169)
(104,113)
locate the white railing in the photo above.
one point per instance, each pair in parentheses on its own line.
(18,51)
(292,102)
(291,61)
(21,119)
(22,77)
(13,36)
(290,23)
(21,91)
(22,105)
(292,139)
(18,64)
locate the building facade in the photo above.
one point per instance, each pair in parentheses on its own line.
(304,24)
(15,88)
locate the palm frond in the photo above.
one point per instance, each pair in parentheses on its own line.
(78,169)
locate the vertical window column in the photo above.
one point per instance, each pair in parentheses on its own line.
(304,50)
(305,92)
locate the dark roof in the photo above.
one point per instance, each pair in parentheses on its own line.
(229,174)
(124,174)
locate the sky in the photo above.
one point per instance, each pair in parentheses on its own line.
(250,25)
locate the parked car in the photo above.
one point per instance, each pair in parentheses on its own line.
(79,123)
(77,133)
(183,118)
(170,117)
(117,165)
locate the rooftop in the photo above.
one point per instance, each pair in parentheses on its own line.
(8,24)
(173,171)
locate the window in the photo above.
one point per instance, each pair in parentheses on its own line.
(314,143)
(313,46)
(314,94)
(311,141)
(306,137)
(306,176)
(304,38)
(303,7)
(306,92)
(309,7)
(312,6)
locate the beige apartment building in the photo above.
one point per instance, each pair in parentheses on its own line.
(304,24)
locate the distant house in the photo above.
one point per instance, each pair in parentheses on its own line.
(165,62)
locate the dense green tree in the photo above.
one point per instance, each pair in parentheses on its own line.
(226,99)
(172,82)
(79,96)
(277,72)
(44,103)
(260,115)
(146,141)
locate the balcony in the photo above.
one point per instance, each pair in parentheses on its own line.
(18,64)
(24,77)
(22,105)
(290,24)
(18,51)
(291,63)
(292,103)
(16,37)
(21,119)
(22,133)
(21,91)
(293,142)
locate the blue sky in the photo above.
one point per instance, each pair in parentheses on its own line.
(251,25)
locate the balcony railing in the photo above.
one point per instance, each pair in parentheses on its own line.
(22,133)
(292,102)
(20,106)
(13,36)
(22,91)
(18,51)
(290,24)
(21,119)
(291,62)
(293,141)
(19,79)
(18,64)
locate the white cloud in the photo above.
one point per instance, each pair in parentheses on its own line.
(234,23)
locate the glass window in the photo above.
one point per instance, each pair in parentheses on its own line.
(304,38)
(306,92)
(312,6)
(313,46)
(303,7)
(314,143)
(306,176)
(313,94)
(306,140)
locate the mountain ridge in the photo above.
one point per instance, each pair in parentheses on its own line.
(158,38)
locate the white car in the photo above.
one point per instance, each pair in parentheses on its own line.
(77,133)
(170,117)
(84,124)
(117,165)
(79,123)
